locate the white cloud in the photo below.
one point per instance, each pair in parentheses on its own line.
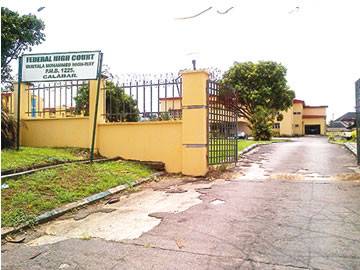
(319,43)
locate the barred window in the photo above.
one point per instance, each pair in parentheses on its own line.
(276,125)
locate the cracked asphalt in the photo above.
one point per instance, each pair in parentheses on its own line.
(259,219)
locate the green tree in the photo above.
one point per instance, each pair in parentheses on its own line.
(120,107)
(262,92)
(18,34)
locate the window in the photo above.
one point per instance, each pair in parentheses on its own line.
(296,125)
(297,113)
(276,125)
(33,107)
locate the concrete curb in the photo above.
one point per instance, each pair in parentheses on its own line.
(248,149)
(68,207)
(351,148)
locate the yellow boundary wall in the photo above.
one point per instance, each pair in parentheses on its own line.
(146,141)
(181,144)
(58,132)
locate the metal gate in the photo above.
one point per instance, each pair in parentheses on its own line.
(222,124)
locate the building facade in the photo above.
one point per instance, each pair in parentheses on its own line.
(301,119)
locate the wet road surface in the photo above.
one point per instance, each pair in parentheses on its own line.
(255,220)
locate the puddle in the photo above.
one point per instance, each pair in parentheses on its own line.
(217,202)
(129,220)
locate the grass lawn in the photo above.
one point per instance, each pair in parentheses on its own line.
(30,156)
(31,195)
(341,141)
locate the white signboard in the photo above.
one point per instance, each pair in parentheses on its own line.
(60,66)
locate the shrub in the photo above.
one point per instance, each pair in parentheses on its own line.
(261,122)
(353,135)
(8,130)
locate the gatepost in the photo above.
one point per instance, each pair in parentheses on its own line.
(194,122)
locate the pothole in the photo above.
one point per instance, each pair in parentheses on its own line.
(217,202)
(287,176)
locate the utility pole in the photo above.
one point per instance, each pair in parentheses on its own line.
(357,98)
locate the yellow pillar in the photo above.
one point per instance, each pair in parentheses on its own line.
(23,100)
(92,104)
(194,123)
(24,103)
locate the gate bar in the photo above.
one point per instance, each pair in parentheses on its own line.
(96,109)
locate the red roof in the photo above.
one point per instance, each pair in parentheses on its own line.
(307,106)
(298,101)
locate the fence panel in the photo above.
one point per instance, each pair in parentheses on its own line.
(57,99)
(143,100)
(222,124)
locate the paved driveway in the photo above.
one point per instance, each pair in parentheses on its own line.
(253,221)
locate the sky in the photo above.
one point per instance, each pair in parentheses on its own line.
(318,42)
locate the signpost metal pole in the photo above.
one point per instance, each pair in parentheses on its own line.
(96,109)
(357,97)
(18,104)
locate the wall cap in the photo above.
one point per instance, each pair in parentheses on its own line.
(59,118)
(190,71)
(141,123)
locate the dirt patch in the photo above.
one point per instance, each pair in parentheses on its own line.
(348,177)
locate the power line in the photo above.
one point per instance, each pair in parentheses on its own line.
(224,12)
(194,16)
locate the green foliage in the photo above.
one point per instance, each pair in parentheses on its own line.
(17,217)
(353,135)
(82,101)
(164,116)
(261,84)
(31,195)
(120,107)
(331,136)
(8,130)
(18,34)
(261,122)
